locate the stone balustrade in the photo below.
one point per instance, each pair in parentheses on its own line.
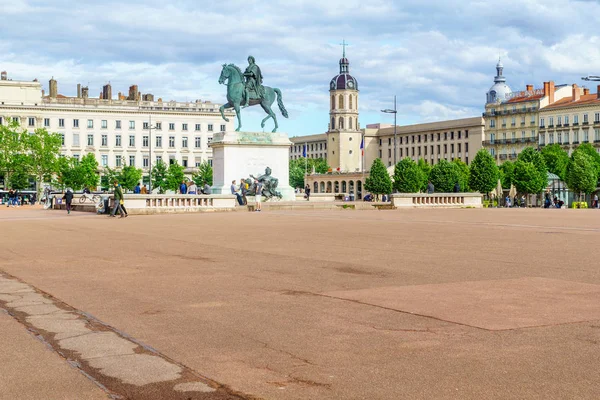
(448,200)
(177,203)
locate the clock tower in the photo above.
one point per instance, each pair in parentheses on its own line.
(344,135)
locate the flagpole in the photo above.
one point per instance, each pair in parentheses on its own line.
(305,158)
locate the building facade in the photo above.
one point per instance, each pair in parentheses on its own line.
(512,118)
(118,132)
(572,120)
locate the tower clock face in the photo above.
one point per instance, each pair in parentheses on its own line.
(350,84)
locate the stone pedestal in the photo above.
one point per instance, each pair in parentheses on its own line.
(241,154)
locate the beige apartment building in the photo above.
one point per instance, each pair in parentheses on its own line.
(572,120)
(511,118)
(130,130)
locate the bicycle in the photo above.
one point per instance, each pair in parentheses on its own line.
(94,198)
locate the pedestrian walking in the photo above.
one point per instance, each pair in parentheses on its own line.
(307,192)
(68,198)
(595,204)
(118,196)
(258,194)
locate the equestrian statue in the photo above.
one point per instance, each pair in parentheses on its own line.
(246,89)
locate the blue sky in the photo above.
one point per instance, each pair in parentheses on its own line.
(438,57)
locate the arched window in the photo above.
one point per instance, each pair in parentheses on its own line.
(344,188)
(341,123)
(316,189)
(332,101)
(336,187)
(322,188)
(332,123)
(350,102)
(328,187)
(341,102)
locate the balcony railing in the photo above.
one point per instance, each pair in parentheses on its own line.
(585,123)
(512,156)
(575,123)
(503,156)
(575,141)
(550,125)
(504,125)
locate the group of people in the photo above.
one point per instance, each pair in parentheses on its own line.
(241,191)
(15,199)
(515,202)
(190,187)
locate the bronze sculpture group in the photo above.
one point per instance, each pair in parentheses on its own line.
(269,185)
(246,89)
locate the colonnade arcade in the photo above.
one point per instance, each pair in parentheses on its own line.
(337,184)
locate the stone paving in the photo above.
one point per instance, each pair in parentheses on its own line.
(338,304)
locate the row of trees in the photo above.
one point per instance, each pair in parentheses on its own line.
(413,177)
(25,155)
(299,167)
(529,173)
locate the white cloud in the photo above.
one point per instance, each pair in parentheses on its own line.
(437,56)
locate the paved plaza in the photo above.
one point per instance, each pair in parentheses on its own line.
(332,304)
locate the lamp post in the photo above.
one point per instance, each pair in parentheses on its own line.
(395,112)
(150,127)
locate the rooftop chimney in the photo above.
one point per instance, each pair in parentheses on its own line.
(133,92)
(529,88)
(576,93)
(598,92)
(53,88)
(3,76)
(79,90)
(586,91)
(550,92)
(107,92)
(84,92)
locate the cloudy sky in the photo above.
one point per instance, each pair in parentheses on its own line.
(437,56)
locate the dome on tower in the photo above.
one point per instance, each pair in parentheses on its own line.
(499,89)
(344,80)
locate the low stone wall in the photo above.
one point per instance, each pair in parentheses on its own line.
(448,200)
(177,203)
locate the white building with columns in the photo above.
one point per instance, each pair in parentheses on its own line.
(117,131)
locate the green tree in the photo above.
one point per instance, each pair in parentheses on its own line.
(529,154)
(129,177)
(556,160)
(506,172)
(581,175)
(175,176)
(426,168)
(378,182)
(591,151)
(484,172)
(19,178)
(204,175)
(86,172)
(296,175)
(12,143)
(527,178)
(159,176)
(464,175)
(408,177)
(109,175)
(444,175)
(44,150)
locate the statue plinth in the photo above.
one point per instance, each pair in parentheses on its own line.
(238,155)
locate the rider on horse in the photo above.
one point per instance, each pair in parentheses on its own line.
(254,80)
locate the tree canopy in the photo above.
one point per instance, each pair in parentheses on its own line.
(527,178)
(379,181)
(556,160)
(159,176)
(408,177)
(581,176)
(444,175)
(484,172)
(506,172)
(175,176)
(204,174)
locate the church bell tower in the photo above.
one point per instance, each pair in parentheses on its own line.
(343,135)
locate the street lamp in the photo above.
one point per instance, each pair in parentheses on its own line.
(150,127)
(395,112)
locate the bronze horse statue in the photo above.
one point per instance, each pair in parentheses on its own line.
(236,92)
